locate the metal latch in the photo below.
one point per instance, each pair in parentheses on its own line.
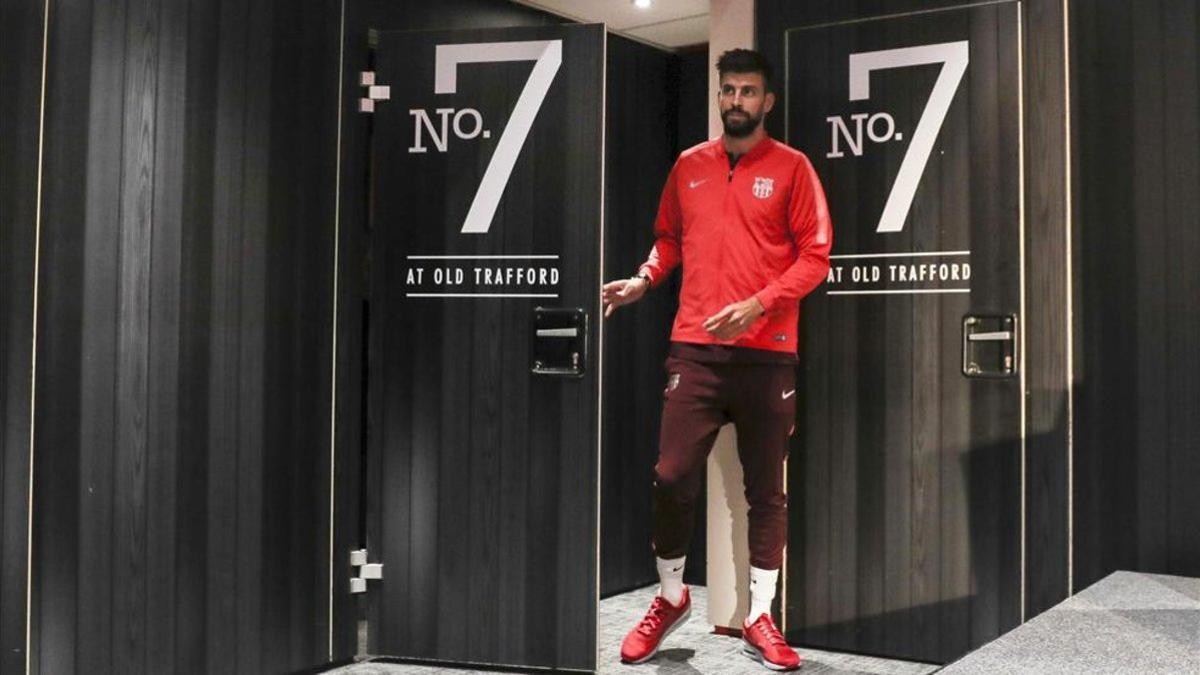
(559,341)
(375,92)
(366,570)
(989,346)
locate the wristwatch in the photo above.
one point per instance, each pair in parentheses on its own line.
(643,275)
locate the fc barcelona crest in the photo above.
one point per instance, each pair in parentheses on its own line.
(763,187)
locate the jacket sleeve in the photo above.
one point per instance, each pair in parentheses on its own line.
(812,233)
(668,235)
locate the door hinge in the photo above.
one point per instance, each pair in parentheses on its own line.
(366,570)
(375,92)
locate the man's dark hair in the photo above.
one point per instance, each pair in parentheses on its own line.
(746,61)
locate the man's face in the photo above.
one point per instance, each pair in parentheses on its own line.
(743,102)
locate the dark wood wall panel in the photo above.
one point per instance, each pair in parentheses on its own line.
(21,49)
(58,591)
(1136,196)
(647,104)
(182,438)
(693,105)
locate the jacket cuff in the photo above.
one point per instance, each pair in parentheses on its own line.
(767,297)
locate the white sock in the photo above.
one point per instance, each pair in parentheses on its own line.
(762,592)
(670,579)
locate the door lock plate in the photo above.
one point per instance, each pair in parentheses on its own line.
(989,346)
(559,341)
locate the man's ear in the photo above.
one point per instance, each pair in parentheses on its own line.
(768,102)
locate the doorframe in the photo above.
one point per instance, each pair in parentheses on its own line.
(37,257)
(333,379)
(1048,312)
(346,406)
(599,459)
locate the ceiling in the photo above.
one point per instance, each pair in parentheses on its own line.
(667,24)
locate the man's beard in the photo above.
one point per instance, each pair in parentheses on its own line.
(742,127)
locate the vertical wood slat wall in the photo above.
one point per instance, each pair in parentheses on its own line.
(182,410)
(635,337)
(21,43)
(186,137)
(647,89)
(1122,307)
(1135,116)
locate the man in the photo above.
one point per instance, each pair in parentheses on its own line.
(746,217)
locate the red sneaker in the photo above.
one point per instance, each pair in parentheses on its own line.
(643,641)
(762,642)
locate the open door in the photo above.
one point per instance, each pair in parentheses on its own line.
(905,475)
(481,470)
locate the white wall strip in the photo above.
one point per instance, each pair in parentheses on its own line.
(482,257)
(1066,19)
(1021,239)
(37,255)
(910,291)
(337,213)
(600,332)
(913,254)
(481,295)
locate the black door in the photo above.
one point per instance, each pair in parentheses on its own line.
(484,343)
(905,479)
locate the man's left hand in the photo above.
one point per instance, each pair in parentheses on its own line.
(734,319)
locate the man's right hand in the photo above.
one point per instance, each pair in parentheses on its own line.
(622,292)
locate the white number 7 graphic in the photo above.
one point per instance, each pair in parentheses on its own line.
(954,56)
(548,54)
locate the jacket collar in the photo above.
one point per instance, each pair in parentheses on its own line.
(760,148)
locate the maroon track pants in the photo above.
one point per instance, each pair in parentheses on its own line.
(760,400)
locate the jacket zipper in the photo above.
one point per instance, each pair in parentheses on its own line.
(725,217)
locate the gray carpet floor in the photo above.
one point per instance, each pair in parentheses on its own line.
(1124,623)
(693,648)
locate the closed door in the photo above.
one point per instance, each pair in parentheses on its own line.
(905,471)
(483,374)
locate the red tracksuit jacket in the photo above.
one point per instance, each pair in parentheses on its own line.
(760,229)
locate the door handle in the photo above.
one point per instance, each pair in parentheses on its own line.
(560,345)
(989,346)
(990,337)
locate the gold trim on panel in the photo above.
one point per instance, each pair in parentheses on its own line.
(600,324)
(1021,239)
(37,250)
(1070,320)
(337,212)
